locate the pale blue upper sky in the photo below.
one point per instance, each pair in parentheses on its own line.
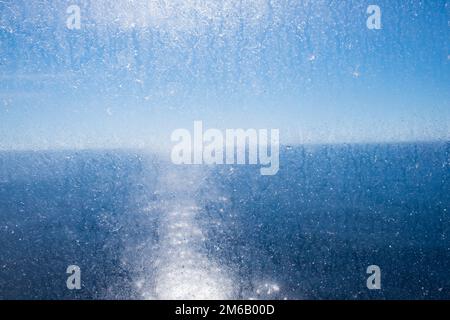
(137,70)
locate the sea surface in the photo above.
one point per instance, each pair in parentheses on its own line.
(141,228)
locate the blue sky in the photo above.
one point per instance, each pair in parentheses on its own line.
(136,71)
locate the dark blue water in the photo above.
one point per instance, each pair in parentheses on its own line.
(309,232)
